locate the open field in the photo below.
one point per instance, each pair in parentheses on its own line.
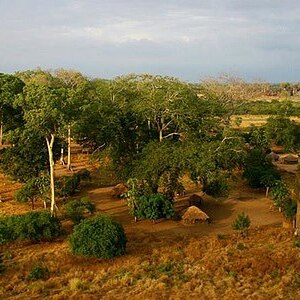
(166,260)
(257,120)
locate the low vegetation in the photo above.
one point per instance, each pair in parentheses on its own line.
(98,237)
(33,226)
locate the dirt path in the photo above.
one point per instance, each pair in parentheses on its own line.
(222,212)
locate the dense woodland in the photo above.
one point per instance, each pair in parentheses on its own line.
(152,132)
(153,129)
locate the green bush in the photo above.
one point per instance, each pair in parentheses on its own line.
(38,272)
(296,242)
(216,187)
(67,185)
(258,171)
(33,226)
(7,229)
(38,226)
(289,209)
(98,237)
(75,209)
(2,266)
(84,174)
(280,193)
(241,223)
(35,188)
(153,207)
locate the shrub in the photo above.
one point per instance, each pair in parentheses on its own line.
(153,207)
(38,226)
(297,243)
(289,208)
(216,187)
(280,193)
(98,237)
(2,266)
(241,223)
(67,185)
(75,209)
(33,226)
(84,174)
(38,272)
(258,171)
(7,229)
(35,188)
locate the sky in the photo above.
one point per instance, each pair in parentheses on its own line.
(257,40)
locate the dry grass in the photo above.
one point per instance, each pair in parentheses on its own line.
(264,265)
(257,120)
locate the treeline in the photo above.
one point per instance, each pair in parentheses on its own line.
(273,107)
(153,129)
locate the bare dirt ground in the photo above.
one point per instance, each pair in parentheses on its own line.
(221,211)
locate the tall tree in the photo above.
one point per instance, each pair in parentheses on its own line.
(76,89)
(10,87)
(44,109)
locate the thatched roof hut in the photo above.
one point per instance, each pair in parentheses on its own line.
(196,200)
(193,215)
(290,159)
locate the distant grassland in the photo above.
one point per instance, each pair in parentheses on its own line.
(257,120)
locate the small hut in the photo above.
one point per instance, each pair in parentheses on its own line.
(290,159)
(195,200)
(194,215)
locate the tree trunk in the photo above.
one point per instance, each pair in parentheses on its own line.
(62,160)
(267,191)
(160,135)
(51,162)
(69,149)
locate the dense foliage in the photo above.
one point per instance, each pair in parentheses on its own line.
(98,237)
(75,209)
(153,207)
(258,170)
(28,156)
(32,226)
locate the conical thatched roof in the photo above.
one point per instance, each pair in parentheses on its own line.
(194,215)
(290,159)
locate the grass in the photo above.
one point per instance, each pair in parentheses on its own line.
(184,268)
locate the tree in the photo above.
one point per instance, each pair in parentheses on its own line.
(283,131)
(76,88)
(27,156)
(44,108)
(10,87)
(230,92)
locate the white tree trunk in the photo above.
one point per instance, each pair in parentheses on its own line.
(160,135)
(51,162)
(267,191)
(62,160)
(69,149)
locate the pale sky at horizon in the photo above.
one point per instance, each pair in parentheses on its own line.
(191,40)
